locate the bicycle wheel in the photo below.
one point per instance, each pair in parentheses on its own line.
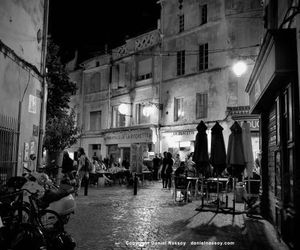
(21,214)
(50,220)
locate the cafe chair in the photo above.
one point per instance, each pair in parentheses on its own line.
(180,189)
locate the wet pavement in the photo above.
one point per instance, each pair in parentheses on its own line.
(113,218)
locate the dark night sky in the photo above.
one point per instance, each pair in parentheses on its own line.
(90,24)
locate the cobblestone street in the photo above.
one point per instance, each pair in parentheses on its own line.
(113,218)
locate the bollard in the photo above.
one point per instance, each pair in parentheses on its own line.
(86,185)
(135,182)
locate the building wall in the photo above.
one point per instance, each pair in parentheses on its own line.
(233,32)
(21,36)
(20,23)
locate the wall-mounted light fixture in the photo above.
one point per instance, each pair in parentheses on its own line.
(239,68)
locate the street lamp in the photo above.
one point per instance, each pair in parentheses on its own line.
(123,109)
(239,68)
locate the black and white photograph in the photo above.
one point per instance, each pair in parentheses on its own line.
(149,124)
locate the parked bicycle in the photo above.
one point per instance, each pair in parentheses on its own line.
(26,220)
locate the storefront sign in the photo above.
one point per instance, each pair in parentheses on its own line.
(184,132)
(136,136)
(254,124)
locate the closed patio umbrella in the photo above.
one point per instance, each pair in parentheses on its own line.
(235,151)
(248,153)
(218,152)
(200,156)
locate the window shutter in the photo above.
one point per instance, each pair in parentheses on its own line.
(122,75)
(115,77)
(104,79)
(95,120)
(201,105)
(176,109)
(145,66)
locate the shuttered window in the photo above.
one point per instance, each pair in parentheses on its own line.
(115,77)
(95,120)
(201,105)
(203,56)
(181,23)
(121,75)
(144,69)
(203,14)
(92,82)
(180,62)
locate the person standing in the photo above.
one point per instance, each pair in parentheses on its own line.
(156,164)
(177,162)
(82,171)
(169,170)
(163,170)
(68,168)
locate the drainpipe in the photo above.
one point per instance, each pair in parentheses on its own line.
(44,84)
(160,108)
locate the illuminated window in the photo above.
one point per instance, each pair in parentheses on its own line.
(142,117)
(118,119)
(178,108)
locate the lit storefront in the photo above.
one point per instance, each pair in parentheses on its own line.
(133,145)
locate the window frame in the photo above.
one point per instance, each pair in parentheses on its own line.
(203,13)
(178,108)
(140,118)
(95,118)
(181,22)
(118,119)
(180,62)
(203,56)
(201,105)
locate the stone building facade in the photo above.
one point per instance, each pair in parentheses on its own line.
(128,77)
(23,27)
(170,79)
(201,42)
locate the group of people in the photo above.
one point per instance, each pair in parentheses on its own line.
(82,169)
(163,167)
